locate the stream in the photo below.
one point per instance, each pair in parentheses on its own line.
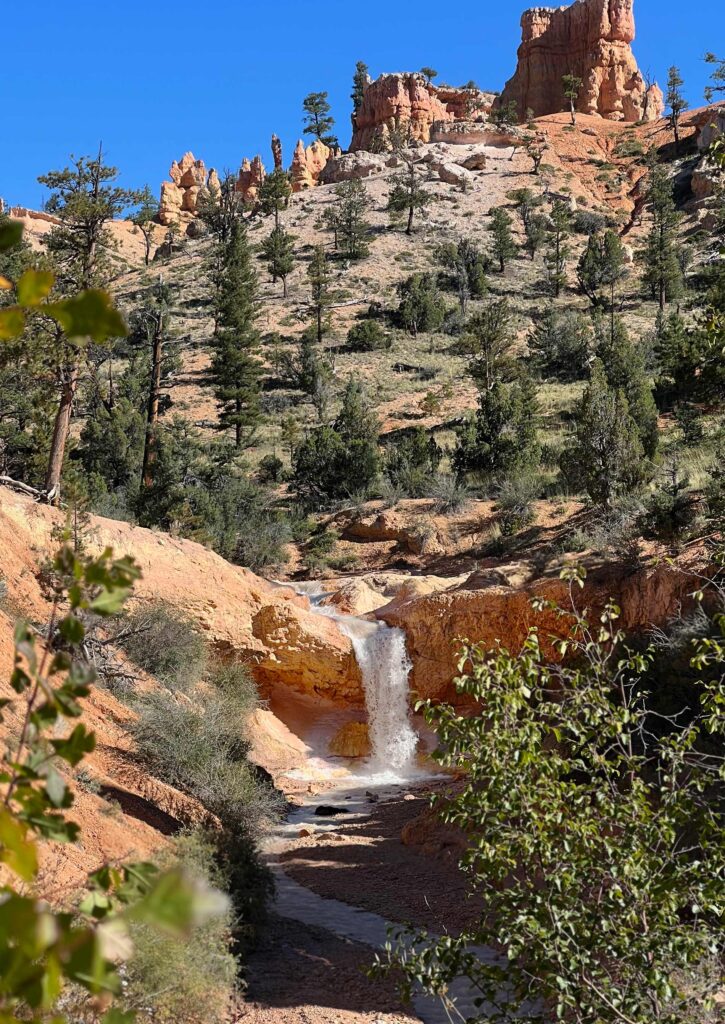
(381,654)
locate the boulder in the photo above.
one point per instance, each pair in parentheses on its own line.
(592,40)
(351,740)
(351,167)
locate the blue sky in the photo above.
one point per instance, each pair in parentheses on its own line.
(153,79)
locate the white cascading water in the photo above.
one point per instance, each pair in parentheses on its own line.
(384,665)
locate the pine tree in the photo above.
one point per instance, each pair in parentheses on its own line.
(274,194)
(144,218)
(501,438)
(278,252)
(675,101)
(318,121)
(601,267)
(624,368)
(318,273)
(717,77)
(85,198)
(467,267)
(347,218)
(504,247)
(407,196)
(421,307)
(670,510)
(572,86)
(662,269)
(359,84)
(557,249)
(235,369)
(430,74)
(536,233)
(560,344)
(607,455)
(220,207)
(488,342)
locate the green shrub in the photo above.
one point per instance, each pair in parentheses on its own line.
(367,336)
(163,642)
(190,979)
(514,503)
(270,469)
(448,493)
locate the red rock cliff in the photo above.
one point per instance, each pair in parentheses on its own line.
(590,39)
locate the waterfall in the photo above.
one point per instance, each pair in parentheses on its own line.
(384,665)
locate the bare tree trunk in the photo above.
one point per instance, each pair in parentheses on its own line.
(152,414)
(61,429)
(409,229)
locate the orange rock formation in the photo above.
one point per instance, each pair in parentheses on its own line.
(590,39)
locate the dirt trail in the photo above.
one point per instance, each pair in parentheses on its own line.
(341,881)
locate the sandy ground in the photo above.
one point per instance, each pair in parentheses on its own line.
(365,863)
(302,975)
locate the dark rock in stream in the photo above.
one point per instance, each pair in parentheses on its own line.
(328,811)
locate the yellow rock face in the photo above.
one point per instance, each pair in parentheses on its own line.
(352,740)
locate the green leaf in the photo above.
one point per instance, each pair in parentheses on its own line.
(12,323)
(55,787)
(16,849)
(89,315)
(76,746)
(110,602)
(34,286)
(11,232)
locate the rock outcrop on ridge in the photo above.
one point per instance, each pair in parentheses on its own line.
(410,104)
(592,40)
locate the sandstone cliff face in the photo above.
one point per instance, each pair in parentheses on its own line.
(436,623)
(269,627)
(590,39)
(408,102)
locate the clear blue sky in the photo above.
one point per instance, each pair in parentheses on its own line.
(152,78)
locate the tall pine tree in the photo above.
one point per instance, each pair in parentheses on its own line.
(235,368)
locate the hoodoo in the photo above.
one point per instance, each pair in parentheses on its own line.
(592,40)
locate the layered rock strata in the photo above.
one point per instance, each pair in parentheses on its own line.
(590,39)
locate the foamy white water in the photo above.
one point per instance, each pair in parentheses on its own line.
(385,666)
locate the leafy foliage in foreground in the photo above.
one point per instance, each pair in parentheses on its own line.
(595,840)
(42,949)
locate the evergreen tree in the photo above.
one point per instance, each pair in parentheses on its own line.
(662,271)
(274,194)
(624,368)
(359,84)
(690,360)
(407,196)
(717,77)
(347,219)
(278,252)
(318,273)
(675,101)
(430,74)
(607,457)
(557,249)
(601,267)
(572,86)
(536,233)
(318,121)
(488,341)
(219,208)
(670,510)
(560,344)
(341,460)
(85,197)
(504,114)
(421,307)
(504,247)
(235,369)
(144,217)
(467,267)
(501,438)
